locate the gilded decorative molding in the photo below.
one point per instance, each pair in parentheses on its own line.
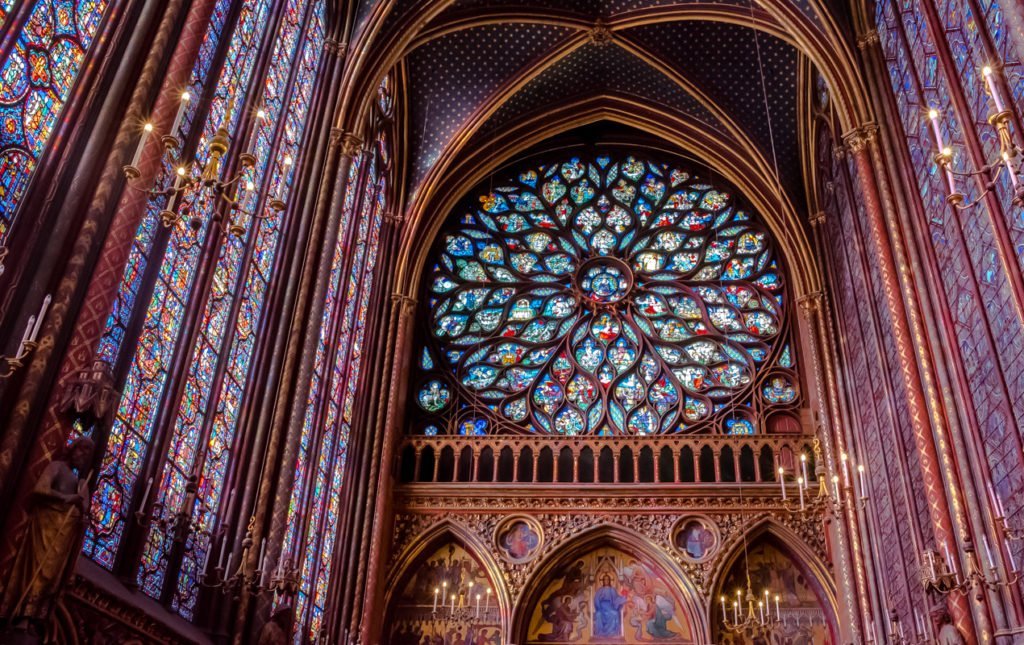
(818,218)
(810,303)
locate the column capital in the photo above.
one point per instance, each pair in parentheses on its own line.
(867,39)
(810,303)
(348,141)
(393,218)
(817,219)
(858,138)
(335,47)
(404,301)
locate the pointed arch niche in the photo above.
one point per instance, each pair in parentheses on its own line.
(435,592)
(776,559)
(609,585)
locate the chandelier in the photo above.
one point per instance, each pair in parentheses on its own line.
(457,605)
(747,623)
(191,189)
(1008,158)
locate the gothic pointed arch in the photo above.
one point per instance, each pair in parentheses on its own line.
(606,584)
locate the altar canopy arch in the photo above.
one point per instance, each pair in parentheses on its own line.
(605,294)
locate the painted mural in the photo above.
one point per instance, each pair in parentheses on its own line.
(804,620)
(449,600)
(608,596)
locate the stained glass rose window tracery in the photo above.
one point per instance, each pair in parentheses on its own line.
(605,296)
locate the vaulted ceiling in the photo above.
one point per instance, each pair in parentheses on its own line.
(477,67)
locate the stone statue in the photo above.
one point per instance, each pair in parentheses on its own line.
(58,507)
(278,630)
(948,633)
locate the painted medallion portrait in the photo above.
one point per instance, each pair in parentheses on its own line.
(696,538)
(519,539)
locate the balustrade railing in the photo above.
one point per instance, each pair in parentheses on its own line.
(669,459)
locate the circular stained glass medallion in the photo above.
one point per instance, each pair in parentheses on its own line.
(608,296)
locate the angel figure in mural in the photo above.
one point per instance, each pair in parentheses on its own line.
(50,546)
(558,611)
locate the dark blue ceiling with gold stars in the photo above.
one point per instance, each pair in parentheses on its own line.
(498,62)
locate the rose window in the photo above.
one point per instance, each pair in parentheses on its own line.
(607,297)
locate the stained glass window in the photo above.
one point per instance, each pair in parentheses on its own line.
(203,404)
(605,296)
(35,82)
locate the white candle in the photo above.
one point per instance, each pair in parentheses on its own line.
(1010,169)
(992,89)
(453,604)
(782,482)
(40,317)
(265,571)
(145,496)
(223,549)
(835,486)
(760,610)
(918,622)
(933,116)
(846,469)
(800,487)
(185,98)
(27,336)
(949,559)
(736,612)
(988,553)
(206,560)
(860,475)
(487,604)
(803,466)
(257,122)
(950,179)
(478,605)
(436,592)
(1009,553)
(931,563)
(777,617)
(146,131)
(227,565)
(263,550)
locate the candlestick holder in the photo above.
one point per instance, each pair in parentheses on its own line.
(190,190)
(896,635)
(1008,158)
(750,624)
(941,576)
(14,363)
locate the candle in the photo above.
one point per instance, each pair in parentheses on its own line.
(453,604)
(931,563)
(760,610)
(777,616)
(223,548)
(478,605)
(933,116)
(988,553)
(206,560)
(39,318)
(263,550)
(949,559)
(950,179)
(146,131)
(487,604)
(846,469)
(227,565)
(800,487)
(1010,169)
(265,571)
(782,482)
(860,476)
(724,615)
(736,612)
(27,336)
(918,623)
(436,592)
(145,496)
(803,466)
(1009,553)
(835,486)
(260,116)
(993,91)
(185,98)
